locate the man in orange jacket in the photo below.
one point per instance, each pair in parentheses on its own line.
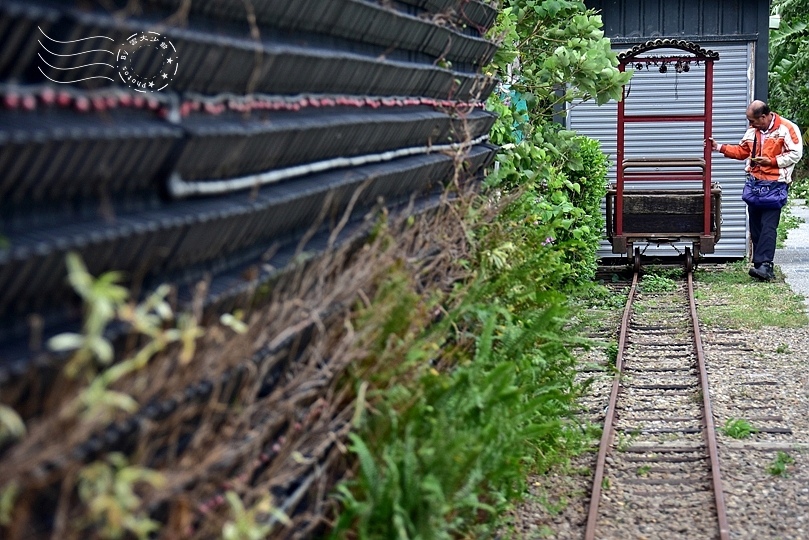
(771,146)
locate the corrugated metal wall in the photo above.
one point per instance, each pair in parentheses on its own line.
(675,18)
(654,93)
(633,21)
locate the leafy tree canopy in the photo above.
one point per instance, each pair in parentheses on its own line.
(789,62)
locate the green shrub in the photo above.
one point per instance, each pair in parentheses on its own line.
(470,405)
(780,464)
(591,179)
(446,446)
(652,283)
(738,428)
(463,443)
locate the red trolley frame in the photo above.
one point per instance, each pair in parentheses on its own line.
(706,234)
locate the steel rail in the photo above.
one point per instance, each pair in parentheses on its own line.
(709,429)
(606,435)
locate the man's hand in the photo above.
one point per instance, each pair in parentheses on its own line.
(762,160)
(713,143)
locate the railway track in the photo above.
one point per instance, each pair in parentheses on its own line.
(657,472)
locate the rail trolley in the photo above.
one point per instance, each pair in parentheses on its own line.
(690,211)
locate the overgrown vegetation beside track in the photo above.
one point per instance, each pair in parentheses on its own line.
(449,357)
(489,392)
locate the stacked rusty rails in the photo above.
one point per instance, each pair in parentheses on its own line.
(226,58)
(657,472)
(191,237)
(275,122)
(473,14)
(296,138)
(371,23)
(276,100)
(53,155)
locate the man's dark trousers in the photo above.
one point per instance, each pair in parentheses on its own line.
(763,231)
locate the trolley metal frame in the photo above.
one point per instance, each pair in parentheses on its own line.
(706,234)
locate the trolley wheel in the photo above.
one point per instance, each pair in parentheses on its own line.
(636,261)
(689,261)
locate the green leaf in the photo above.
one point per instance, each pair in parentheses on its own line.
(233,323)
(11,425)
(8,497)
(101,347)
(368,467)
(66,342)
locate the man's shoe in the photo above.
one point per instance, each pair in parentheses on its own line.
(763,272)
